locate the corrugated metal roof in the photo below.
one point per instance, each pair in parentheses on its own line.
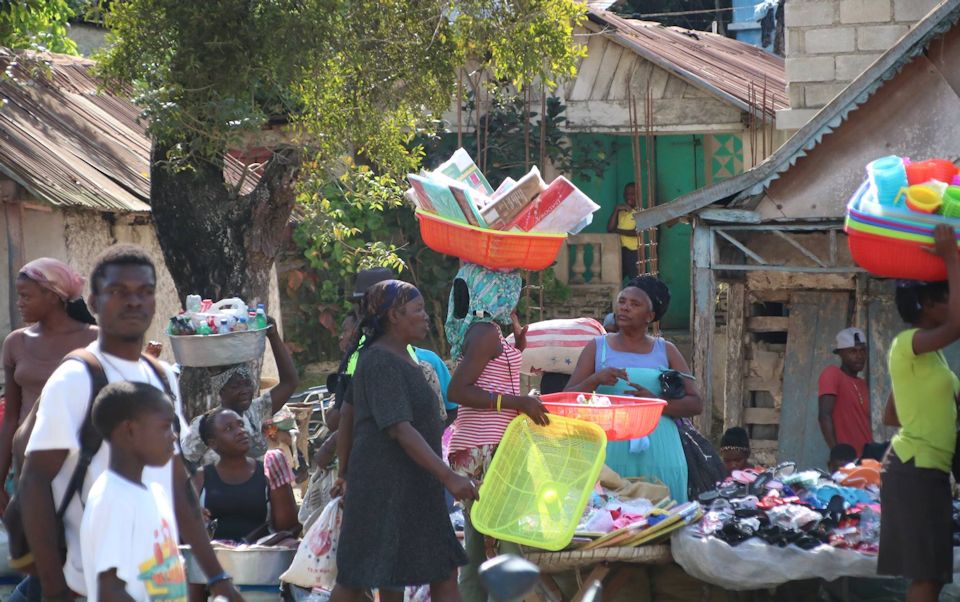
(755,181)
(71,146)
(733,70)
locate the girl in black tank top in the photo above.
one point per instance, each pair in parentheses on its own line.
(238,509)
(235,491)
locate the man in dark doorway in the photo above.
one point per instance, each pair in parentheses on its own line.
(844,398)
(622,223)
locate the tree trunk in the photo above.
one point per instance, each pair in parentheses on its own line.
(216,242)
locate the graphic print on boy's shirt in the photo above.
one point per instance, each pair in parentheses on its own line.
(162,574)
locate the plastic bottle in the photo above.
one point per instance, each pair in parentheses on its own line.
(205,305)
(224,326)
(186,326)
(193,303)
(261,322)
(204,329)
(242,324)
(173,327)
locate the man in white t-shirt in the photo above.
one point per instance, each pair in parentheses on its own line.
(129,532)
(123,284)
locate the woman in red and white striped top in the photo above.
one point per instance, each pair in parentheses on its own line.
(486,385)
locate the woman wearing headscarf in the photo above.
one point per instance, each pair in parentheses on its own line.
(235,387)
(50,300)
(395,456)
(486,384)
(630,363)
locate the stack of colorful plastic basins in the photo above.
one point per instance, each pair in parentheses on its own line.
(893,242)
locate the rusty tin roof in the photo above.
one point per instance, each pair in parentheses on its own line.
(71,144)
(727,68)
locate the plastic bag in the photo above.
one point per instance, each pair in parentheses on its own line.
(315,564)
(555,345)
(756,565)
(317,496)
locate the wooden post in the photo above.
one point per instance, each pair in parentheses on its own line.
(733,391)
(15,257)
(703,319)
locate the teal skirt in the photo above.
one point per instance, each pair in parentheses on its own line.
(663,460)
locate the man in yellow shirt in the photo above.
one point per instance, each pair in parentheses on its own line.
(622,223)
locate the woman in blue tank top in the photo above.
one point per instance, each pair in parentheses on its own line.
(629,363)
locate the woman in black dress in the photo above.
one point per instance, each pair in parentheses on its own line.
(396,531)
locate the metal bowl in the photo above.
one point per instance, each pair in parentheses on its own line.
(202,351)
(248,566)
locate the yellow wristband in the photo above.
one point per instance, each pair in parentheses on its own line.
(499,401)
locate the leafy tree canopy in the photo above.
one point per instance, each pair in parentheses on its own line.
(357,77)
(358,84)
(36,25)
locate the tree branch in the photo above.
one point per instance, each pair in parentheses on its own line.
(272,201)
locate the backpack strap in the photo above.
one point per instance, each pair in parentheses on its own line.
(90,438)
(161,373)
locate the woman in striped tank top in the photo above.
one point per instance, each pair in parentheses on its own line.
(486,384)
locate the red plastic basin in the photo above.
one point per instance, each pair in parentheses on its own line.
(627,418)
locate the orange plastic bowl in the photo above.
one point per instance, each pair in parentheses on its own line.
(492,249)
(627,418)
(892,258)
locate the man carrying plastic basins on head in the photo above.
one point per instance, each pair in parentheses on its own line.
(235,387)
(486,384)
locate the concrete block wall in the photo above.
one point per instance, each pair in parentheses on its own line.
(831,42)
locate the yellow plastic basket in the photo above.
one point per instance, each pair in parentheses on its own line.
(539,482)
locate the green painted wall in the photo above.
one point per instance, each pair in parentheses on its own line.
(680,169)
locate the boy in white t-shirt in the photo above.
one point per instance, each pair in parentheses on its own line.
(128,535)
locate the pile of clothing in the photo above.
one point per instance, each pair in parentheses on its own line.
(807,509)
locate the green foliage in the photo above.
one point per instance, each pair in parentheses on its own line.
(357,82)
(207,72)
(519,41)
(362,220)
(36,25)
(358,77)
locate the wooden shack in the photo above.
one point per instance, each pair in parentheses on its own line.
(769,246)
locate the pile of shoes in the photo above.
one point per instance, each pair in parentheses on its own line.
(784,507)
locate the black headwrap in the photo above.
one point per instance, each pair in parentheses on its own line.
(657,291)
(735,439)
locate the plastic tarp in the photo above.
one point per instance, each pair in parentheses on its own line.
(754,564)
